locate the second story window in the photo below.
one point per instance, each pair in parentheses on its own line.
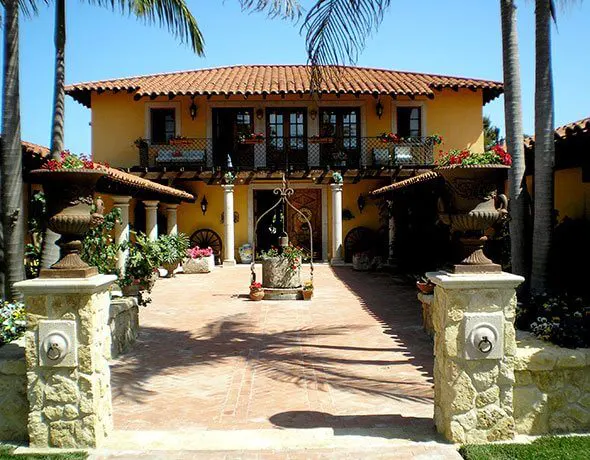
(162,125)
(343,123)
(409,121)
(286,128)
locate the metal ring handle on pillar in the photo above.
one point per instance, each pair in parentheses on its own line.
(484,345)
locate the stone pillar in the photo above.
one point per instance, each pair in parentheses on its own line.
(336,224)
(122,229)
(473,389)
(171,219)
(69,397)
(228,212)
(151,219)
(391,240)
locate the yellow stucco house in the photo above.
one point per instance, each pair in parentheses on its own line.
(188,129)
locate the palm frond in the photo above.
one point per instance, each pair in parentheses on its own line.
(28,8)
(175,15)
(287,9)
(336,31)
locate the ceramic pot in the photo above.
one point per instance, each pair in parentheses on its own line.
(470,206)
(170,267)
(69,197)
(307,294)
(257,294)
(425,288)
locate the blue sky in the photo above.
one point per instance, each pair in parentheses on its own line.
(454,37)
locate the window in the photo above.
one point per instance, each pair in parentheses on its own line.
(341,123)
(162,125)
(409,121)
(286,127)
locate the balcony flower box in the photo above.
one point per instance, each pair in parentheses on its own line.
(321,140)
(252,141)
(181,141)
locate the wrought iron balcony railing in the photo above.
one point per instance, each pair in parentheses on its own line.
(289,153)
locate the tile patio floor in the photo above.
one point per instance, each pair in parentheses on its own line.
(353,359)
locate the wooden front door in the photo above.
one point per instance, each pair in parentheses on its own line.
(309,202)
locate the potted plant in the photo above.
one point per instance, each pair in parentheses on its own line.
(307,290)
(281,267)
(180,140)
(256,291)
(173,249)
(252,138)
(69,185)
(472,203)
(198,260)
(141,268)
(390,138)
(424,285)
(320,140)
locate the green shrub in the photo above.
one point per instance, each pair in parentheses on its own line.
(12,321)
(561,319)
(173,248)
(99,248)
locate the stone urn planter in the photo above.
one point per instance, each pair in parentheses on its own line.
(170,267)
(198,265)
(277,273)
(361,261)
(472,205)
(69,197)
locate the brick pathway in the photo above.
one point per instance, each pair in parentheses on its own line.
(354,358)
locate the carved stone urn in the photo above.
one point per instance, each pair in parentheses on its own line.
(472,205)
(69,197)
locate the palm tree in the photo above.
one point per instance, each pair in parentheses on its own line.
(12,222)
(176,16)
(514,137)
(544,146)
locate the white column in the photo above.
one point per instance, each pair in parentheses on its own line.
(122,229)
(151,219)
(228,210)
(391,238)
(336,224)
(171,221)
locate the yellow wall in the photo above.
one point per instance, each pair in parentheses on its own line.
(572,196)
(117,120)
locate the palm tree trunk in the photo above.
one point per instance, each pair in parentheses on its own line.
(57,123)
(514,137)
(11,160)
(544,147)
(50,253)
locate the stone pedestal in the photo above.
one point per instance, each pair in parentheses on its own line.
(70,400)
(473,397)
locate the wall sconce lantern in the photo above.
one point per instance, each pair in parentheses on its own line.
(379,109)
(361,202)
(259,114)
(204,204)
(313,114)
(193,109)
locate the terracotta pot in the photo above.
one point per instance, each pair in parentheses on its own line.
(170,267)
(131,290)
(69,197)
(277,273)
(307,294)
(256,294)
(425,288)
(470,207)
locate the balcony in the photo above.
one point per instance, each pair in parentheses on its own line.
(284,153)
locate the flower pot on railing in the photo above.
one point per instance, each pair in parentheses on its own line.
(69,197)
(252,141)
(181,142)
(471,206)
(278,272)
(321,140)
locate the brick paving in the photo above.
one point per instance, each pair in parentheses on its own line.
(354,359)
(354,356)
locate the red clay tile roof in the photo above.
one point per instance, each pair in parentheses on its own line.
(283,79)
(564,132)
(138,183)
(30,148)
(424,177)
